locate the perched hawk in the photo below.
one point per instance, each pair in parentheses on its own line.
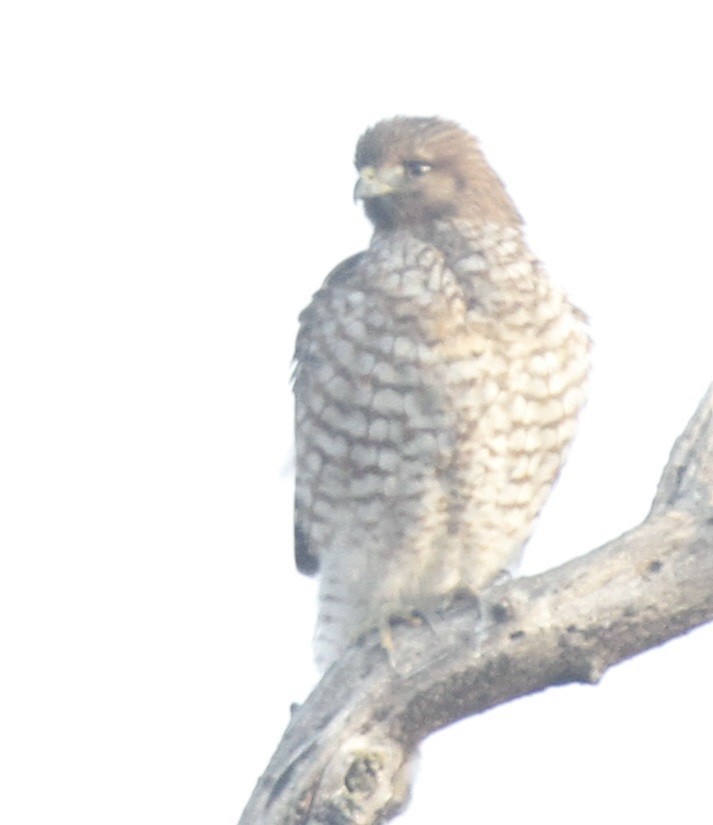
(438,377)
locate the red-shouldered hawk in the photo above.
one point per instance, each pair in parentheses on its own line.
(438,377)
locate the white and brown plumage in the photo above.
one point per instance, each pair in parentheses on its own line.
(439,374)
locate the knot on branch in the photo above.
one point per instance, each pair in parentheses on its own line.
(366,779)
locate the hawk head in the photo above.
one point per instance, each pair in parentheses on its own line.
(414,170)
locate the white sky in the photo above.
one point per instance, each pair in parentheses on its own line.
(175,182)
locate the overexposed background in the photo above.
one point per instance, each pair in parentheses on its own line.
(175,182)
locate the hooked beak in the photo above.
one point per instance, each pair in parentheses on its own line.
(373,182)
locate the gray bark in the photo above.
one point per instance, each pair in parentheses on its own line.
(344,758)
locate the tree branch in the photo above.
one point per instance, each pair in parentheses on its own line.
(344,758)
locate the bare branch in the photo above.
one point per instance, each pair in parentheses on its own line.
(687,480)
(345,756)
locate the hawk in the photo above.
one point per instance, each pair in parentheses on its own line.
(438,377)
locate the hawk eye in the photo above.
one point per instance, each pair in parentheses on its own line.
(417,168)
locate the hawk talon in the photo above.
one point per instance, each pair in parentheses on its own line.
(411,618)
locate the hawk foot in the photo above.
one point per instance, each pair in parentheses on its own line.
(411,618)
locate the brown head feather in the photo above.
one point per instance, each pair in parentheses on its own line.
(435,170)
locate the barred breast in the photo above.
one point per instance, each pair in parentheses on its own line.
(437,386)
